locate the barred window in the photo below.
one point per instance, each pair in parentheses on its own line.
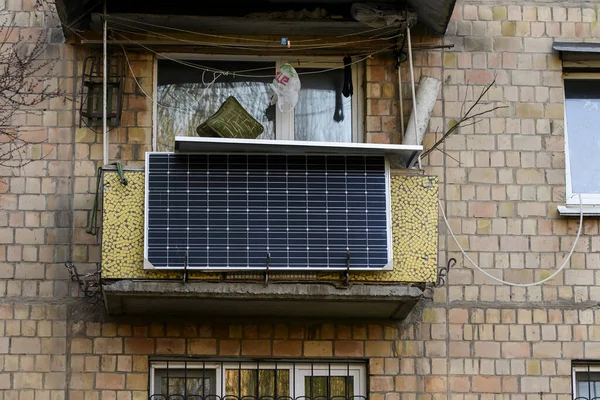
(198,380)
(586,381)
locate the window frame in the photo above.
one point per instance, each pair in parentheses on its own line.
(571,198)
(298,370)
(284,122)
(581,367)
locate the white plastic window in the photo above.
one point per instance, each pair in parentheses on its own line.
(187,94)
(582,140)
(586,382)
(257,380)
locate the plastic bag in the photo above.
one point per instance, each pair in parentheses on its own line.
(285,88)
(376,15)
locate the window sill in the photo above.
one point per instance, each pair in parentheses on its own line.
(406,154)
(574,210)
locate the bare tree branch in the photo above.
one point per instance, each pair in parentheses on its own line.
(467,118)
(24,87)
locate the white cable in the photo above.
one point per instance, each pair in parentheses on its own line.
(146,94)
(511,283)
(201,68)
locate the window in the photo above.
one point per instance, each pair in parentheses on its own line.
(582,141)
(586,381)
(189,92)
(174,380)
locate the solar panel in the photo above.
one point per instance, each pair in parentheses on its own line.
(250,211)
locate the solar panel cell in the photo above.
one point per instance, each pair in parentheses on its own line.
(240,211)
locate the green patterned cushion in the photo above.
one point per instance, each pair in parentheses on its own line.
(231,121)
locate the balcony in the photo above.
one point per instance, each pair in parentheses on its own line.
(134,286)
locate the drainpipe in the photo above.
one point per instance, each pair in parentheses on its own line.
(427,94)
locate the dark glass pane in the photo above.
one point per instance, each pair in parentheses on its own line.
(257,383)
(194,386)
(329,386)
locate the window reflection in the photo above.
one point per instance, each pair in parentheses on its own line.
(322,114)
(257,383)
(188,96)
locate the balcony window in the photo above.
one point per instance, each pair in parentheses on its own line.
(189,91)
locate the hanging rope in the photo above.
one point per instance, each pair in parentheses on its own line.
(92,228)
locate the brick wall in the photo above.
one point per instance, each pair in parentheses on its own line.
(476,340)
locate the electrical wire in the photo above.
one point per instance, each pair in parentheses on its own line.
(244,38)
(145,93)
(512,283)
(255,47)
(235,73)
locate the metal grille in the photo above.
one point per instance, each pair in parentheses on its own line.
(586,381)
(254,380)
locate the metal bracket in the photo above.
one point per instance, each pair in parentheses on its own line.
(90,284)
(267,268)
(442,274)
(185,269)
(346,273)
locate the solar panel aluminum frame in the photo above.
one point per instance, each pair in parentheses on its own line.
(149,266)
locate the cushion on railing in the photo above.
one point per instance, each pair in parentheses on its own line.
(231,121)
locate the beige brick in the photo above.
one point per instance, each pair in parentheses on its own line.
(25,346)
(170,346)
(546,350)
(5,381)
(434,315)
(509,44)
(486,349)
(108,346)
(137,382)
(256,347)
(27,380)
(110,381)
(81,346)
(516,350)
(349,348)
(139,346)
(318,348)
(436,384)
(483,175)
(544,244)
(486,384)
(55,381)
(293,348)
(535,384)
(509,28)
(32,202)
(378,348)
(382,383)
(203,346)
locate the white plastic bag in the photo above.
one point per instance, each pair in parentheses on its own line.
(285,88)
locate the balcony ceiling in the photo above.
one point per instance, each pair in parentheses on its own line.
(233,17)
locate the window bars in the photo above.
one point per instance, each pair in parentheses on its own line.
(586,381)
(257,380)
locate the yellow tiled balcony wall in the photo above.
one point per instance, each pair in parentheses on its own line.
(414,235)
